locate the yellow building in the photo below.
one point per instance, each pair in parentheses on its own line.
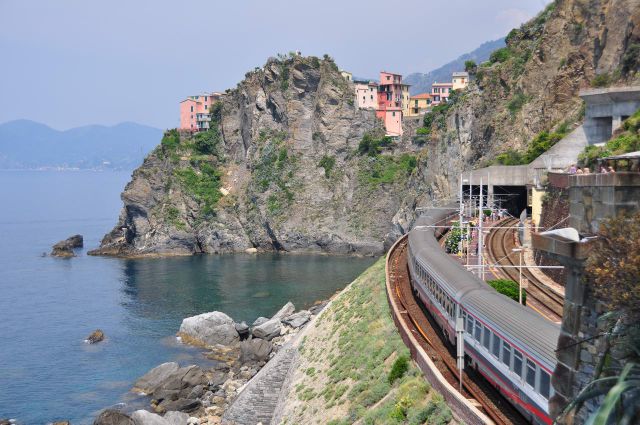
(419,104)
(405,99)
(460,80)
(346,75)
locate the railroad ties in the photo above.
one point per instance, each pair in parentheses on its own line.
(428,335)
(541,298)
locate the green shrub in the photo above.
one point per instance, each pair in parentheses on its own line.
(399,368)
(500,55)
(327,162)
(371,145)
(470,66)
(508,288)
(207,142)
(631,58)
(204,186)
(509,157)
(601,80)
(454,237)
(170,139)
(423,131)
(517,102)
(385,169)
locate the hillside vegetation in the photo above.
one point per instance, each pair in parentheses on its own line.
(354,368)
(289,164)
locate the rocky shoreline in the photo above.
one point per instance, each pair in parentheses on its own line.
(189,395)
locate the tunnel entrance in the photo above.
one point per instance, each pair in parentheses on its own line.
(511,198)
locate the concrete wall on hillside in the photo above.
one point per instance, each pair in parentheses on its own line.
(595,197)
(605,110)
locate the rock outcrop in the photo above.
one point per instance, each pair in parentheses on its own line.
(215,328)
(65,248)
(96,336)
(113,417)
(281,171)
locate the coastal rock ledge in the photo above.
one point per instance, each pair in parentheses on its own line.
(209,329)
(65,248)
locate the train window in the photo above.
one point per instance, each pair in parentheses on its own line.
(517,362)
(545,384)
(506,353)
(531,373)
(495,347)
(486,340)
(478,331)
(469,325)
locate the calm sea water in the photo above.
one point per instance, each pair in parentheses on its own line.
(48,306)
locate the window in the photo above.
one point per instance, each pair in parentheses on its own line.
(371,97)
(495,347)
(363,98)
(517,362)
(191,109)
(205,107)
(394,114)
(545,384)
(486,340)
(506,354)
(469,325)
(478,331)
(531,373)
(205,99)
(388,77)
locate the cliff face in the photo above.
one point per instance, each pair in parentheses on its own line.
(286,166)
(280,171)
(526,88)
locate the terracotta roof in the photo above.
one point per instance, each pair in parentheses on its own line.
(421,96)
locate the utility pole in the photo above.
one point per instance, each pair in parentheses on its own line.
(519,250)
(480,217)
(460,347)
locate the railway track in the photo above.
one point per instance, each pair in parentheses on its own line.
(540,297)
(431,339)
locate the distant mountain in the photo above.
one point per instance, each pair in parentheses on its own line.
(421,83)
(27,144)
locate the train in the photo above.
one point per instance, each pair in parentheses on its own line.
(509,344)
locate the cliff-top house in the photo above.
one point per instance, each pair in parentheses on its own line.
(195,111)
(419,104)
(393,102)
(440,92)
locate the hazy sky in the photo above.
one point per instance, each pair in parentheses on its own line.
(74,62)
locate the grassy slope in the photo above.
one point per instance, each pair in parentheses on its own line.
(345,360)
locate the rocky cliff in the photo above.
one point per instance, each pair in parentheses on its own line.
(527,88)
(290,164)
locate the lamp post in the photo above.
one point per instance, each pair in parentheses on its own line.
(520,271)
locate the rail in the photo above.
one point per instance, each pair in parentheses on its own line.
(480,403)
(541,298)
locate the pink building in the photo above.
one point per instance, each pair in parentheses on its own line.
(195,111)
(440,92)
(393,99)
(366,94)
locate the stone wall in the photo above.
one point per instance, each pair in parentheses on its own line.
(582,344)
(595,197)
(555,208)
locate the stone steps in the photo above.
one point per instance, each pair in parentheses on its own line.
(259,399)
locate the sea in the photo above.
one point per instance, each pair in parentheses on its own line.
(48,306)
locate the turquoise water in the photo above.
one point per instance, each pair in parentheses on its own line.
(49,305)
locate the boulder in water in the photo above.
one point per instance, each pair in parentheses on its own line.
(113,417)
(65,248)
(96,336)
(215,328)
(153,379)
(259,321)
(285,311)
